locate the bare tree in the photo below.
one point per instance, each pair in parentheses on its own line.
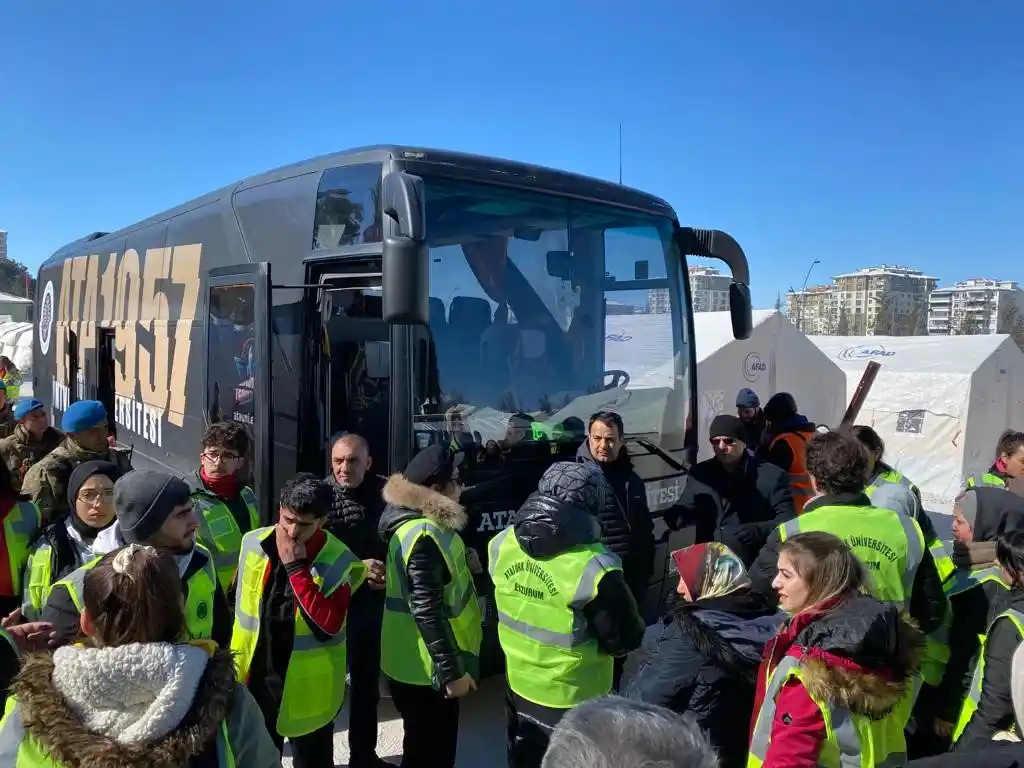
(885,319)
(1012,322)
(842,325)
(912,322)
(966,324)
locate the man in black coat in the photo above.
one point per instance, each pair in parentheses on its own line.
(355,513)
(626,525)
(734,497)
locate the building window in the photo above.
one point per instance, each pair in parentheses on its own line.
(348,210)
(910,422)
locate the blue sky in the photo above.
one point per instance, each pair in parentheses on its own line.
(855,133)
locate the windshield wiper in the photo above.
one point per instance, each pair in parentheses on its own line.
(657,449)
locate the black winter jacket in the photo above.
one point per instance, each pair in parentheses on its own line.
(738,508)
(428,574)
(991,754)
(703,659)
(995,709)
(627,528)
(60,610)
(355,514)
(927,600)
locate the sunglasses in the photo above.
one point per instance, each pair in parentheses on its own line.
(722,441)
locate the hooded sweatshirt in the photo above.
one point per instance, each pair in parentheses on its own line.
(857,654)
(153,705)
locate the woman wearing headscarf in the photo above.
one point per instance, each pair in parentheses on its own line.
(702,658)
(135,693)
(974,587)
(67,544)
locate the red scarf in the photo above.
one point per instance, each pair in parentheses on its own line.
(224,488)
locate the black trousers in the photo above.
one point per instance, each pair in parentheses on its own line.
(431,724)
(314,750)
(528,727)
(364,623)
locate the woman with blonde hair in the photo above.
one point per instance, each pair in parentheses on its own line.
(834,682)
(134,693)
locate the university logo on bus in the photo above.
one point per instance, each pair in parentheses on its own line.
(864,352)
(149,301)
(753,367)
(46,318)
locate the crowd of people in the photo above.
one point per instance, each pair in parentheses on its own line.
(150,620)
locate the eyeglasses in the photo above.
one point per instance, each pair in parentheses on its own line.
(214,456)
(91,497)
(722,441)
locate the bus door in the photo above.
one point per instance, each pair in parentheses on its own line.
(237,370)
(356,357)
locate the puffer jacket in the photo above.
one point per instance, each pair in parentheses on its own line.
(702,658)
(355,514)
(627,528)
(857,654)
(19,451)
(425,566)
(151,705)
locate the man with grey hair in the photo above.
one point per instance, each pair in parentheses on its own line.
(613,732)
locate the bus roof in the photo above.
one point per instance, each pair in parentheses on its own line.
(478,167)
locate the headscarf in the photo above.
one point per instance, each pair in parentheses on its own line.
(710,570)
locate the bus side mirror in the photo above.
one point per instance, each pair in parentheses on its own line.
(405,289)
(740,311)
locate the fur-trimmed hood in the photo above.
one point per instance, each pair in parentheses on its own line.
(149,706)
(406,500)
(860,656)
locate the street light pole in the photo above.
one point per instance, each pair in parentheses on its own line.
(803,296)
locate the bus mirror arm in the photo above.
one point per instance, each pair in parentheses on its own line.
(403,201)
(715,244)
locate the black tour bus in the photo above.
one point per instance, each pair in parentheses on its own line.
(410,295)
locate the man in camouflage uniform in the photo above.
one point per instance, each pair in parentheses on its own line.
(32,439)
(7,419)
(85,439)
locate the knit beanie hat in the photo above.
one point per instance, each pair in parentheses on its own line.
(727,425)
(144,499)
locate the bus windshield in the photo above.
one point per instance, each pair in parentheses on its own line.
(545,309)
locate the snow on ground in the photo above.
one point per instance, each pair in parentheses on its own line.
(481,731)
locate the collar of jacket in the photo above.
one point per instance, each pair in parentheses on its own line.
(858,499)
(428,502)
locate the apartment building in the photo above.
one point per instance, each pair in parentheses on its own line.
(883,301)
(3,244)
(975,306)
(709,290)
(811,310)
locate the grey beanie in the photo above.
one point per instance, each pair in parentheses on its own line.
(144,499)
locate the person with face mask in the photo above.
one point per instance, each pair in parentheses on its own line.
(67,545)
(733,497)
(154,509)
(432,630)
(85,439)
(31,440)
(295,582)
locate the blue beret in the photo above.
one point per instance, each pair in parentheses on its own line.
(83,415)
(24,407)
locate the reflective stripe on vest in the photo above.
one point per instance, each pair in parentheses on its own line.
(20,527)
(17,750)
(219,530)
(40,580)
(551,657)
(888,545)
(964,579)
(987,479)
(404,655)
(799,481)
(201,587)
(844,746)
(970,705)
(314,684)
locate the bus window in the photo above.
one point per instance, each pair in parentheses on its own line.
(230,354)
(348,207)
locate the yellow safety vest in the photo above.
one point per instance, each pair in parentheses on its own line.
(201,587)
(888,545)
(851,740)
(314,685)
(20,528)
(219,530)
(19,750)
(987,479)
(970,705)
(551,657)
(404,655)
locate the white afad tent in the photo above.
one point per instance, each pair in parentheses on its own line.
(939,402)
(776,358)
